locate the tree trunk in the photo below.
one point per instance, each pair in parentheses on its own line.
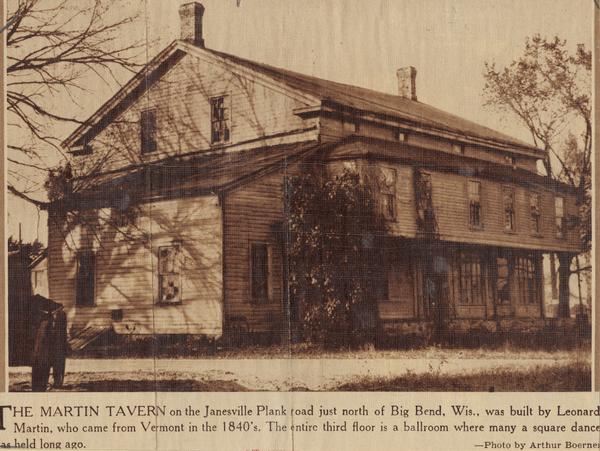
(553,279)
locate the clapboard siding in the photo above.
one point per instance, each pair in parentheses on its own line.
(253,213)
(452,212)
(181,99)
(126,267)
(450,201)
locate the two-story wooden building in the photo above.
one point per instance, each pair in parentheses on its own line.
(174,224)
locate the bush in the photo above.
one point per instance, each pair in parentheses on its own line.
(337,237)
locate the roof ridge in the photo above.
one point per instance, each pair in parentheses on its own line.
(345,90)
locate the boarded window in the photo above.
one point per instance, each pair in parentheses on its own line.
(471,287)
(535,211)
(502,280)
(169,275)
(259,260)
(508,201)
(559,211)
(387,187)
(148,131)
(219,119)
(475,203)
(86,278)
(528,289)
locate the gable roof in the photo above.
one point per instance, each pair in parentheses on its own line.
(353,97)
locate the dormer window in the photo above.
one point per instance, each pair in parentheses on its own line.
(148,131)
(219,119)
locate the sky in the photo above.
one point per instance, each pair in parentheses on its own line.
(363,43)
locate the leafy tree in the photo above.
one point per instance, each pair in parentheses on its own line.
(336,255)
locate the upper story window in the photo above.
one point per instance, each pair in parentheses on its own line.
(148,131)
(508,201)
(536,213)
(387,187)
(559,212)
(426,221)
(474,190)
(219,119)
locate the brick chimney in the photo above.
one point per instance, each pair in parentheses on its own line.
(407,82)
(190,15)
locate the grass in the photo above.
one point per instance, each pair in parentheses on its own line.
(575,376)
(189,347)
(133,382)
(307,351)
(562,377)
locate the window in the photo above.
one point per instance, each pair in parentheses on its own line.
(503,280)
(148,131)
(259,261)
(559,212)
(169,275)
(526,280)
(387,187)
(534,208)
(475,203)
(508,201)
(381,286)
(426,221)
(510,160)
(86,275)
(424,191)
(219,118)
(471,288)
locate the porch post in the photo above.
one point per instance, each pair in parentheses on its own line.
(564,271)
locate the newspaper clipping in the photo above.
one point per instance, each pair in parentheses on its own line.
(280,225)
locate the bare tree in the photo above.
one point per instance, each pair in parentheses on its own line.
(548,89)
(56,51)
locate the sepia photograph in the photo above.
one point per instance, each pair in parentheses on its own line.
(245,195)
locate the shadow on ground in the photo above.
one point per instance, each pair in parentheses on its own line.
(131,385)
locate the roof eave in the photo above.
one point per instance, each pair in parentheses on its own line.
(328,106)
